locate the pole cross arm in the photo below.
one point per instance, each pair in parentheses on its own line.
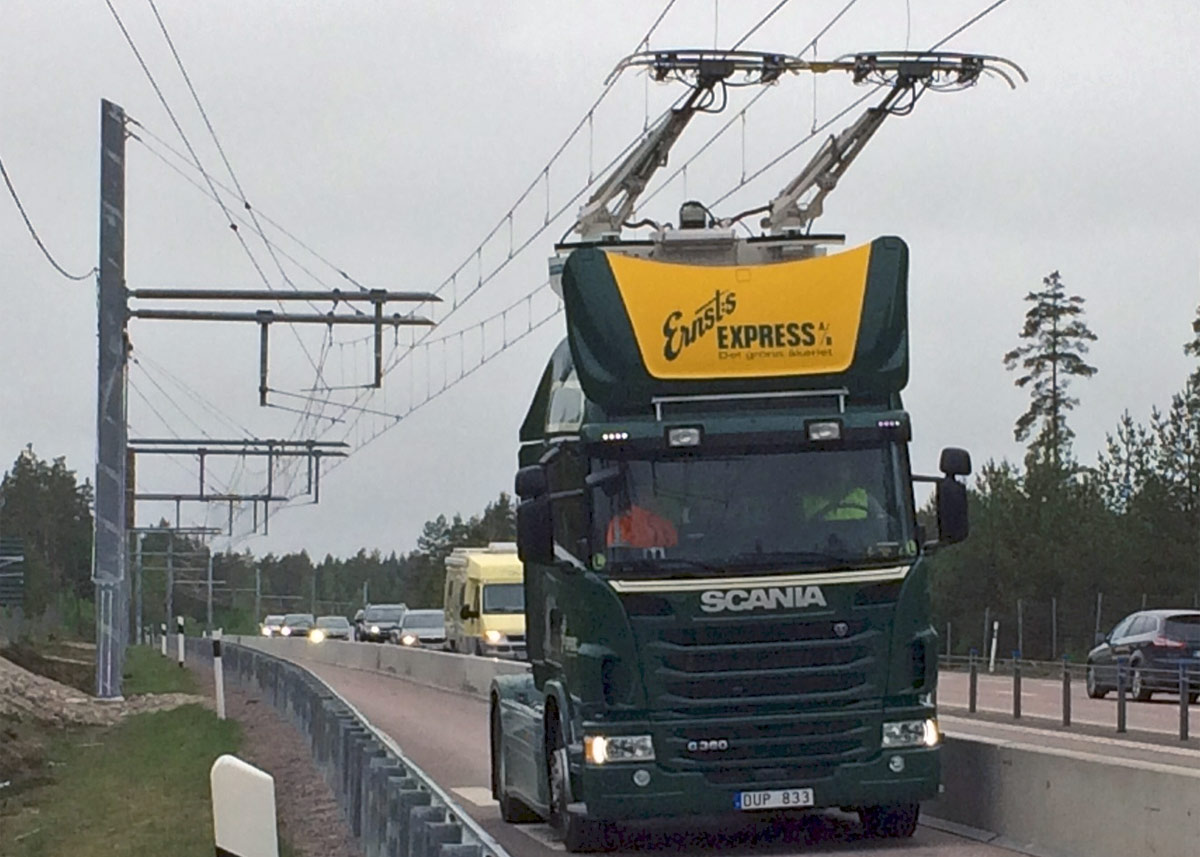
(335,295)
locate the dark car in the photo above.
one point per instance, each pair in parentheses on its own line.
(1153,646)
(297,625)
(378,622)
(425,628)
(330,628)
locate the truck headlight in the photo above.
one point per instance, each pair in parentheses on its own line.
(494,637)
(408,640)
(316,635)
(266,632)
(374,629)
(602,749)
(285,631)
(911,733)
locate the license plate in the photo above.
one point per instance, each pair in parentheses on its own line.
(775,799)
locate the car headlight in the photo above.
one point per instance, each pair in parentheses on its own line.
(316,635)
(285,631)
(266,632)
(408,640)
(493,637)
(603,749)
(374,629)
(911,733)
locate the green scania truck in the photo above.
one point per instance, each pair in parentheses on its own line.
(727,598)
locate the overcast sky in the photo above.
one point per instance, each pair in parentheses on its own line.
(392,137)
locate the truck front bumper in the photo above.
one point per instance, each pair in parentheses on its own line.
(610,793)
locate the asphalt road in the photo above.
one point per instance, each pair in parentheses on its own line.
(1042,699)
(446,735)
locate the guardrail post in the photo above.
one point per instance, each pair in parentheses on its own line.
(375,831)
(407,799)
(439,834)
(1184,691)
(393,789)
(419,819)
(1066,691)
(460,850)
(1016,701)
(1121,662)
(371,750)
(972,682)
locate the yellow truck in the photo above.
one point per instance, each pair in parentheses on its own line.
(485,601)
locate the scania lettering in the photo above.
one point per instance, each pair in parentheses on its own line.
(727,596)
(736,600)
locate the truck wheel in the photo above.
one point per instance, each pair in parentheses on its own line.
(898,821)
(512,810)
(578,834)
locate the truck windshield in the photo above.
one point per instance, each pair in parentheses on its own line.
(504,598)
(734,512)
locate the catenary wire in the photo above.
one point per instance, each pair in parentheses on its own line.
(33,233)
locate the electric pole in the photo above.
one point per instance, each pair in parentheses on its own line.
(108,564)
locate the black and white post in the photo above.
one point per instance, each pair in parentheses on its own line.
(162,640)
(218,673)
(179,638)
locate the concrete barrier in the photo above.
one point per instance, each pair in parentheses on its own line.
(446,670)
(1035,799)
(1046,800)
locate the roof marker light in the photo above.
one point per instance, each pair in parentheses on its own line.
(689,436)
(831,430)
(615,435)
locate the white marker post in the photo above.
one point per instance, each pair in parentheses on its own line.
(179,636)
(995,637)
(243,810)
(162,640)
(218,674)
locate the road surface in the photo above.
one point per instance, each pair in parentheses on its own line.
(446,734)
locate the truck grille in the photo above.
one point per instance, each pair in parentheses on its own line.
(792,698)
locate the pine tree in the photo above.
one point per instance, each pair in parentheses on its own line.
(1056,338)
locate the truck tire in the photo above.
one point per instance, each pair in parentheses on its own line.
(898,821)
(579,835)
(513,810)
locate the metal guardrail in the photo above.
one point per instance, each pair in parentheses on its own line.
(1123,678)
(390,804)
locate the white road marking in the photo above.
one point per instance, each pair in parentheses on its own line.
(478,795)
(543,834)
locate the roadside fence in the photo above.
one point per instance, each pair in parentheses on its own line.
(392,807)
(1127,681)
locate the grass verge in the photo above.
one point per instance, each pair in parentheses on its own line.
(138,788)
(146,671)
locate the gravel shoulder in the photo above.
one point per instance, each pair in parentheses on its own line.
(310,819)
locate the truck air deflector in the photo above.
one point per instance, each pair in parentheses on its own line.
(641,329)
(866,575)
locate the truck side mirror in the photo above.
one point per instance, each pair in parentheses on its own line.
(535,530)
(531,482)
(951,510)
(466,612)
(955,462)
